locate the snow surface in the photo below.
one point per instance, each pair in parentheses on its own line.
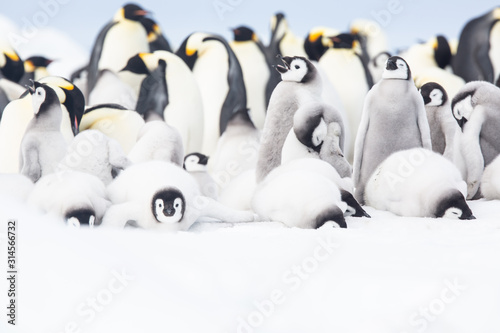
(384,274)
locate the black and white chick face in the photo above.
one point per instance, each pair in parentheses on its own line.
(42,96)
(296,69)
(462,110)
(454,206)
(195,162)
(396,68)
(312,133)
(433,94)
(81,217)
(168,206)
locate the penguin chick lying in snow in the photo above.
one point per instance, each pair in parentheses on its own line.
(77,197)
(161,195)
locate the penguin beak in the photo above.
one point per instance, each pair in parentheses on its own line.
(203,160)
(141,12)
(462,123)
(286,66)
(31,88)
(391,65)
(472,217)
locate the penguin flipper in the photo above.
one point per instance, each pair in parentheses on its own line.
(153,95)
(95,56)
(30,164)
(349,199)
(4,100)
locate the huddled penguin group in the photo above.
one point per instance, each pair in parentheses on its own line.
(307,132)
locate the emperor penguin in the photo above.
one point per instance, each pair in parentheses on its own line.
(116,122)
(120,39)
(11,65)
(18,113)
(490,181)
(162,196)
(78,198)
(170,90)
(93,152)
(393,119)
(156,39)
(157,141)
(418,182)
(282,42)
(441,122)
(475,109)
(35,68)
(256,70)
(220,79)
(111,89)
(350,77)
(477,56)
(43,145)
(300,84)
(196,165)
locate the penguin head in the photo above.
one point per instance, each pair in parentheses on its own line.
(396,68)
(296,69)
(152,28)
(137,64)
(442,51)
(81,217)
(43,97)
(344,41)
(279,26)
(168,205)
(70,96)
(189,49)
(244,34)
(332,214)
(312,133)
(32,63)
(433,94)
(195,162)
(462,106)
(316,44)
(131,11)
(453,205)
(11,65)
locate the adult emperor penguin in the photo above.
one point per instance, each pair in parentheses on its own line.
(393,119)
(418,182)
(256,70)
(116,122)
(196,165)
(95,153)
(170,91)
(120,39)
(441,122)
(18,113)
(350,77)
(155,36)
(35,68)
(220,80)
(475,108)
(301,84)
(160,195)
(11,65)
(282,42)
(43,145)
(78,198)
(478,42)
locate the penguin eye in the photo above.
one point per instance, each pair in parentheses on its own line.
(176,205)
(297,66)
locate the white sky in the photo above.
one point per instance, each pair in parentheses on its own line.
(409,21)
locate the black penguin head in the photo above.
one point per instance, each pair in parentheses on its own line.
(453,205)
(344,41)
(433,94)
(462,106)
(133,12)
(312,133)
(244,34)
(13,68)
(43,97)
(188,54)
(136,65)
(442,51)
(296,69)
(32,63)
(396,68)
(332,214)
(168,205)
(313,45)
(81,217)
(195,162)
